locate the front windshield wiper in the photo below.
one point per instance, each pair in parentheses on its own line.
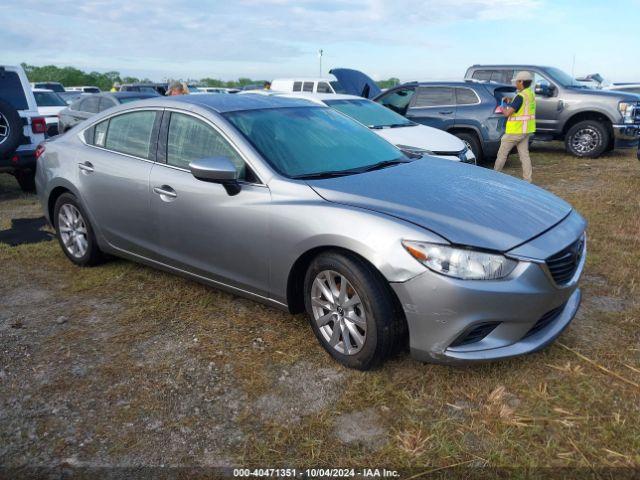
(342,173)
(392,125)
(385,164)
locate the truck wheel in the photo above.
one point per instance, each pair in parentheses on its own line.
(27,180)
(472,142)
(588,138)
(10,129)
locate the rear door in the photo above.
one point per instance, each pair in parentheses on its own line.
(113,177)
(197,225)
(434,106)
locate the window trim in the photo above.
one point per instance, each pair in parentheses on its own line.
(416,94)
(455,96)
(164,135)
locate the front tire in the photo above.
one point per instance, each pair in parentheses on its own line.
(588,139)
(351,310)
(74,232)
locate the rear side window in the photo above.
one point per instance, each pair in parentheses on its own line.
(307,87)
(323,87)
(434,96)
(11,90)
(484,75)
(100,133)
(191,139)
(90,104)
(130,133)
(466,96)
(297,86)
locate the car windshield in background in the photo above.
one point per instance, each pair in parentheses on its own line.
(311,141)
(91,90)
(563,78)
(133,99)
(49,99)
(337,87)
(371,114)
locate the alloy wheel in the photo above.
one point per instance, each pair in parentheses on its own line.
(586,140)
(73,230)
(338,312)
(5,129)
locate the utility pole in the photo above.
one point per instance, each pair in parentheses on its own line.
(320,59)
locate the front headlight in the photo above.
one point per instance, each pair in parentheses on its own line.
(460,263)
(628,111)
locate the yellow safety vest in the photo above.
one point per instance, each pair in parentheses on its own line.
(524,120)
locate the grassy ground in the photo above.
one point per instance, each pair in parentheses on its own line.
(125,365)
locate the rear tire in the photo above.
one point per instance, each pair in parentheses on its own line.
(587,139)
(472,142)
(74,232)
(361,313)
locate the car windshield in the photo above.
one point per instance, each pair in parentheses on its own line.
(563,78)
(311,141)
(49,99)
(369,113)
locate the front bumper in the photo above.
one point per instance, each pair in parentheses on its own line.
(626,135)
(440,310)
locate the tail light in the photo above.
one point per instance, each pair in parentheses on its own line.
(39,151)
(498,109)
(38,125)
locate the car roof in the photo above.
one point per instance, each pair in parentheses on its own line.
(318,97)
(231,103)
(42,90)
(514,66)
(330,78)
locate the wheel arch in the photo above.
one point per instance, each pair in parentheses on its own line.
(595,115)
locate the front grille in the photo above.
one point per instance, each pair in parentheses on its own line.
(476,334)
(563,265)
(545,320)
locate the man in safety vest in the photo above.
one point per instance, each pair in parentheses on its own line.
(521,124)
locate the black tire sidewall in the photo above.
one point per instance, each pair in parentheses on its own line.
(376,303)
(472,140)
(602,130)
(15,128)
(27,180)
(92,255)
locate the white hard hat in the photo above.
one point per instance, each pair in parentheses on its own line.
(523,75)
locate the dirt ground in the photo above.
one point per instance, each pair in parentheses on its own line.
(125,366)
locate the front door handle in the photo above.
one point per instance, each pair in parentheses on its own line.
(86,167)
(165,191)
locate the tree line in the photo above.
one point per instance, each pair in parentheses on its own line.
(71,76)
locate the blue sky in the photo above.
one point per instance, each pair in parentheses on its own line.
(408,39)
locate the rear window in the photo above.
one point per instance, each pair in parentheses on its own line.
(91,90)
(49,99)
(90,104)
(11,90)
(434,96)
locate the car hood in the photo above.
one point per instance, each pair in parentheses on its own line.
(606,94)
(355,82)
(420,136)
(465,204)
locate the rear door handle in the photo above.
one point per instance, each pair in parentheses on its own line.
(446,112)
(86,167)
(165,191)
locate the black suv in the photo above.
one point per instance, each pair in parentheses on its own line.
(464,109)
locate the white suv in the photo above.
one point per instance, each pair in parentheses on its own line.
(21,127)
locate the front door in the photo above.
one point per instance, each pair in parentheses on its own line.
(434,107)
(548,108)
(198,226)
(113,178)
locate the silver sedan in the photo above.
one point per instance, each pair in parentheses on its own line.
(300,207)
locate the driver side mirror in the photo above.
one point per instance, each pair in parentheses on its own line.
(544,89)
(217,170)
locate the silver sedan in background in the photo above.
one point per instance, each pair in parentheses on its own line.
(302,208)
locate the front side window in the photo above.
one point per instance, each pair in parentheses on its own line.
(307,87)
(434,97)
(369,113)
(398,100)
(301,141)
(191,139)
(130,133)
(323,87)
(483,75)
(297,86)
